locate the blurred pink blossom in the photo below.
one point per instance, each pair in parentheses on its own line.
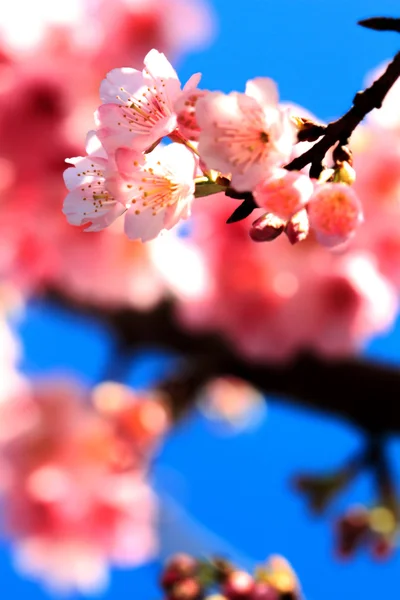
(272,300)
(76,497)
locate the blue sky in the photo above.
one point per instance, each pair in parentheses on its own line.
(238,487)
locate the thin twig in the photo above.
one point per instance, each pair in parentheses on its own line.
(341,129)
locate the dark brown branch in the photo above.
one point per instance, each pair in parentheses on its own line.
(381,24)
(341,130)
(336,132)
(363,393)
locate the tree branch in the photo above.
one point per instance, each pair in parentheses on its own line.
(341,129)
(336,132)
(381,24)
(360,392)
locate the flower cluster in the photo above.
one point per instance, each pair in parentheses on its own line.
(237,142)
(57,57)
(186,578)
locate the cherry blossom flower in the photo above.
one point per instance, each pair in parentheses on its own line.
(139,106)
(334,212)
(89,202)
(245,135)
(284,193)
(157,188)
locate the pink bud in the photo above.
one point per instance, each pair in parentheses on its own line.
(179,567)
(188,589)
(285,193)
(334,212)
(266,228)
(264,591)
(298,227)
(238,586)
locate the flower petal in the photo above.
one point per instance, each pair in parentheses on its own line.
(263,90)
(144,226)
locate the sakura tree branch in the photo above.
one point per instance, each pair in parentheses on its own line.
(339,131)
(358,391)
(381,24)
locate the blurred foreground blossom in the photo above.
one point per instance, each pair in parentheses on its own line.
(106,33)
(75,494)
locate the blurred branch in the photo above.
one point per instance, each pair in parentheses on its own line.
(358,391)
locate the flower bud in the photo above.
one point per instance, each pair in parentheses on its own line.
(264,591)
(298,227)
(239,585)
(266,228)
(178,568)
(285,193)
(334,212)
(187,589)
(345,173)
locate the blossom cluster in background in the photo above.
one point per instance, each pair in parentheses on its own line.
(74,478)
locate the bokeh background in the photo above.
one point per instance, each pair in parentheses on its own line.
(223,491)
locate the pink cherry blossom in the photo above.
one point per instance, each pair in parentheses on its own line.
(284,193)
(157,188)
(89,202)
(139,106)
(245,135)
(334,212)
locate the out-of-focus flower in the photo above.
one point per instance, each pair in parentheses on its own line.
(232,402)
(123,31)
(280,301)
(245,135)
(75,497)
